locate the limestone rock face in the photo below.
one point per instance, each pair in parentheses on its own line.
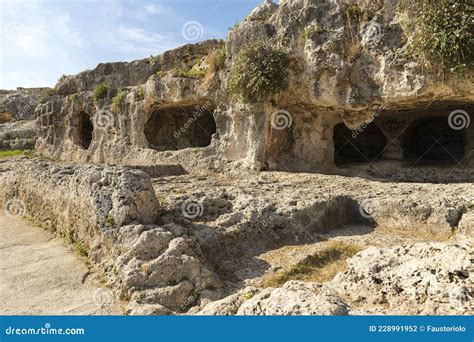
(93,199)
(294,298)
(111,211)
(121,74)
(162,268)
(412,279)
(370,126)
(428,279)
(263,11)
(345,75)
(19,135)
(20,104)
(17,115)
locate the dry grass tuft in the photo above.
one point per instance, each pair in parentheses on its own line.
(321,267)
(5,117)
(418,234)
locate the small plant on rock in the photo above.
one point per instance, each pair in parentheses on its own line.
(118,99)
(109,221)
(82,250)
(443,34)
(141,93)
(72,98)
(257,72)
(100,91)
(353,11)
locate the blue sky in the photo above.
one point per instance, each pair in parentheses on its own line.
(44,39)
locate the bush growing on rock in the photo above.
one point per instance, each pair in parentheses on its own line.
(118,99)
(100,91)
(258,71)
(72,98)
(443,33)
(141,93)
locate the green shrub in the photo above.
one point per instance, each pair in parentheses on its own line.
(258,71)
(109,221)
(100,91)
(443,33)
(197,71)
(179,72)
(72,98)
(118,99)
(353,11)
(141,93)
(248,296)
(51,92)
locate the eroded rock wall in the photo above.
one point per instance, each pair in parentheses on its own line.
(109,213)
(17,117)
(341,72)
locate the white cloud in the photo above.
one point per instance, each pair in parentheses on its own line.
(137,42)
(155,9)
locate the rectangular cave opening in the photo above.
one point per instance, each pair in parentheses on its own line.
(431,141)
(180,127)
(350,149)
(434,136)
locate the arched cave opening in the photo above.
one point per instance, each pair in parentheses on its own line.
(85,130)
(177,128)
(431,141)
(358,147)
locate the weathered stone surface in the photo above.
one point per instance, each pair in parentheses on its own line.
(20,104)
(101,207)
(349,85)
(84,202)
(135,309)
(19,135)
(342,75)
(428,279)
(294,298)
(122,74)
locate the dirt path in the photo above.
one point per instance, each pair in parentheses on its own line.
(41,275)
